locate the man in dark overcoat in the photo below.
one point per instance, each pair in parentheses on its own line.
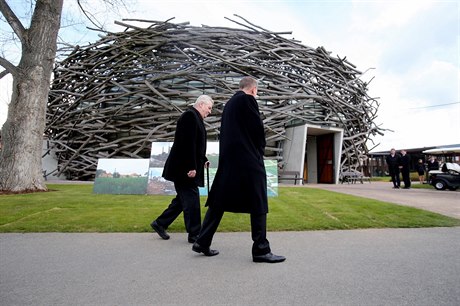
(404,166)
(240,184)
(392,160)
(185,167)
(432,164)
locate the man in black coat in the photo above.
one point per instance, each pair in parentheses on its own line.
(433,164)
(185,167)
(404,165)
(240,184)
(393,168)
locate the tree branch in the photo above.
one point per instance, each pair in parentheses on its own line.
(13,21)
(4,73)
(88,15)
(9,68)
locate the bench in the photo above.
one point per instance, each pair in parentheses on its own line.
(353,176)
(290,176)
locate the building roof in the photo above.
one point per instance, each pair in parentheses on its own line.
(444,149)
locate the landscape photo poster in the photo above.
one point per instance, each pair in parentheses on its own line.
(271,168)
(144,176)
(159,153)
(121,176)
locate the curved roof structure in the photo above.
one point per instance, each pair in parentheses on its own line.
(112,98)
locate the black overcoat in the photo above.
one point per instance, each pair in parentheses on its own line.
(240,184)
(404,161)
(433,165)
(393,162)
(188,151)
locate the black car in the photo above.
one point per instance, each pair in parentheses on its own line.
(448,178)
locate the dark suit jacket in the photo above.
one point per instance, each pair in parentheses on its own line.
(188,151)
(393,162)
(240,184)
(433,165)
(404,161)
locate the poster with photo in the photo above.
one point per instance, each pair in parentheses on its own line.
(156,183)
(159,153)
(271,168)
(143,176)
(121,176)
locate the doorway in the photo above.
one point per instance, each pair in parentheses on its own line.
(325,155)
(313,151)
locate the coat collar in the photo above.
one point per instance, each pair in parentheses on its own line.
(196,112)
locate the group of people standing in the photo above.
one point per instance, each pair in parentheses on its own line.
(400,163)
(240,184)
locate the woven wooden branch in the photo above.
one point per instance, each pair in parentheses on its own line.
(110,99)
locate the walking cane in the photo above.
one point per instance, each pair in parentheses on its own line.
(207,175)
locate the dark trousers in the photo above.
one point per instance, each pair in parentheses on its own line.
(211,222)
(406,177)
(187,200)
(394,174)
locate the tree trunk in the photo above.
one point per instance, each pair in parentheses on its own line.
(22,133)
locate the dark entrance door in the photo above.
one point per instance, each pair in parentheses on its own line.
(325,145)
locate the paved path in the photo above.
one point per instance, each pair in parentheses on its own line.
(444,202)
(355,267)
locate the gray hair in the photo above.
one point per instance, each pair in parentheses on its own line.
(203,99)
(248,82)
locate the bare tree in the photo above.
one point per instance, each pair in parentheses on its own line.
(22,133)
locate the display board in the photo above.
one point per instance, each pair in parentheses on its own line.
(143,176)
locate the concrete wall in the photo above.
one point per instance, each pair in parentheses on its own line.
(338,143)
(300,146)
(294,150)
(49,163)
(312,160)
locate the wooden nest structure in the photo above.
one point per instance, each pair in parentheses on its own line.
(112,98)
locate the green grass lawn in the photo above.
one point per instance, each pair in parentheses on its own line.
(75,208)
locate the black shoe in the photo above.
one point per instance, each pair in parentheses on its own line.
(192,239)
(206,251)
(160,230)
(269,257)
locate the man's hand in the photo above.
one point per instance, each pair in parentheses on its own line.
(191,173)
(207,164)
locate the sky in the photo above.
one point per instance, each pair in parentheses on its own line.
(124,166)
(409,49)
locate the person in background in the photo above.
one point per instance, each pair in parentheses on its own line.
(421,171)
(432,164)
(392,160)
(240,184)
(404,165)
(185,167)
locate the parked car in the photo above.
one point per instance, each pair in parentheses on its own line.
(448,177)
